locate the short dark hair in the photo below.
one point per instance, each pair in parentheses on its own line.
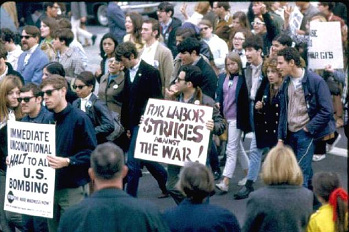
(87,78)
(225,5)
(55,68)
(32,30)
(330,5)
(7,35)
(185,32)
(155,25)
(284,40)
(189,45)
(64,34)
(289,54)
(253,41)
(3,51)
(126,49)
(167,7)
(192,74)
(107,161)
(107,36)
(47,4)
(31,87)
(56,81)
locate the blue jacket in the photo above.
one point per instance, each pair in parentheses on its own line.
(32,72)
(76,139)
(319,105)
(44,117)
(242,101)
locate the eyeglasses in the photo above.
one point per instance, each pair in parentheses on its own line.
(257,23)
(26,36)
(25,99)
(203,28)
(78,86)
(49,91)
(238,39)
(113,61)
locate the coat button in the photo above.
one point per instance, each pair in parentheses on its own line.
(276,105)
(266,131)
(277,114)
(274,131)
(276,122)
(265,122)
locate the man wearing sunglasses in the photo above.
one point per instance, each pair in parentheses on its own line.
(30,99)
(32,60)
(75,140)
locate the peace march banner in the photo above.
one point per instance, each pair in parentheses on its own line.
(30,181)
(173,132)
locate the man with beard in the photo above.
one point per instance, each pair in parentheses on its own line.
(33,59)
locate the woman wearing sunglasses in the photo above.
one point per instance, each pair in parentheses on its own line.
(9,110)
(94,108)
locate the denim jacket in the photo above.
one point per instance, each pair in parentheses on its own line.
(319,106)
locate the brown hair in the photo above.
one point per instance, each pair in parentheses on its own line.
(6,85)
(52,24)
(56,81)
(202,7)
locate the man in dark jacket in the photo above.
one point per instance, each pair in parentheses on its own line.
(110,208)
(306,112)
(75,140)
(187,90)
(168,25)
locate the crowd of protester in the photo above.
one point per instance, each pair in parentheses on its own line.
(249,66)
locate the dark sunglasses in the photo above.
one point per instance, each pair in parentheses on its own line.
(78,86)
(25,99)
(49,92)
(204,28)
(26,36)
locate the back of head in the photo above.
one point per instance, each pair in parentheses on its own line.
(202,7)
(225,5)
(64,23)
(324,183)
(189,45)
(188,30)
(196,181)
(55,68)
(281,167)
(107,161)
(126,49)
(192,74)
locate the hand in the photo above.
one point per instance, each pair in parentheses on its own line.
(83,19)
(259,105)
(263,8)
(57,162)
(329,68)
(218,105)
(210,125)
(98,72)
(128,134)
(8,161)
(183,10)
(305,129)
(287,13)
(171,92)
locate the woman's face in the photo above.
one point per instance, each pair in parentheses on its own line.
(238,40)
(232,66)
(45,30)
(129,25)
(236,23)
(45,74)
(82,90)
(114,66)
(108,46)
(274,76)
(259,26)
(12,96)
(276,46)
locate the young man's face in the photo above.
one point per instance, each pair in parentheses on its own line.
(252,55)
(186,58)
(163,16)
(53,11)
(28,41)
(283,66)
(53,97)
(147,32)
(181,84)
(57,44)
(29,103)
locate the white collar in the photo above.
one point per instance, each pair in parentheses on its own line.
(86,98)
(31,50)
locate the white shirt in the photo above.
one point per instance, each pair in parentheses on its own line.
(84,101)
(4,74)
(256,73)
(219,49)
(297,82)
(29,54)
(12,57)
(133,71)
(148,54)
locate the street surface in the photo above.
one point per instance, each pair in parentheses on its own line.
(148,189)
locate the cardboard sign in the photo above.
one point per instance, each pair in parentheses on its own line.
(173,132)
(325,45)
(30,181)
(295,22)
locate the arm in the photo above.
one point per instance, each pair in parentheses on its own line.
(217,119)
(272,30)
(223,51)
(116,15)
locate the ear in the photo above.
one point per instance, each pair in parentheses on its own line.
(91,174)
(292,62)
(124,171)
(39,99)
(132,56)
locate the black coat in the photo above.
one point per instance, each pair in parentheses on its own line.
(146,84)
(209,78)
(170,35)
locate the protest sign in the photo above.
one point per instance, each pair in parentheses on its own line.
(30,181)
(325,45)
(295,22)
(173,132)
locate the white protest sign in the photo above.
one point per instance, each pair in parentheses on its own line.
(30,182)
(295,22)
(173,132)
(325,45)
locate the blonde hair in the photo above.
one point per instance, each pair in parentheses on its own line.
(6,85)
(233,56)
(281,167)
(202,7)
